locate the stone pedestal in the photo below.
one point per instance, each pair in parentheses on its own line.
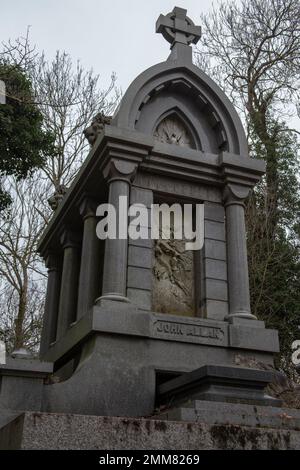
(114,363)
(22,382)
(221,384)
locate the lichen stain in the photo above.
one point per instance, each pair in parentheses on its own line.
(36,417)
(275,441)
(134,423)
(148,426)
(160,426)
(287,439)
(189,427)
(232,437)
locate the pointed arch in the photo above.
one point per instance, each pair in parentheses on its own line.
(174,127)
(207,108)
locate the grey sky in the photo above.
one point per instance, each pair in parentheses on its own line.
(108,35)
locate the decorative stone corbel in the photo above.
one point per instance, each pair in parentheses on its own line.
(96,128)
(57,196)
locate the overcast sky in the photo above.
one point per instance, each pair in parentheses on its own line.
(108,35)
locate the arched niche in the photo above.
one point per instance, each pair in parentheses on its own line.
(207,111)
(209,135)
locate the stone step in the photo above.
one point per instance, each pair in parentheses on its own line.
(234,414)
(220,383)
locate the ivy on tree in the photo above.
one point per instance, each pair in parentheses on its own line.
(24,143)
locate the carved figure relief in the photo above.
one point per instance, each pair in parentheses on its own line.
(172,130)
(173,271)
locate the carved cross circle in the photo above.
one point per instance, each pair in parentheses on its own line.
(177,27)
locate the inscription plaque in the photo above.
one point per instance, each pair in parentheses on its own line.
(194,332)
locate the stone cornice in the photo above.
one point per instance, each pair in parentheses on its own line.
(241,171)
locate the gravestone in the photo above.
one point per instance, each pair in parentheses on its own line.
(123,316)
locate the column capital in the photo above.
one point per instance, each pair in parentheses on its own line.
(235,194)
(69,238)
(87,207)
(53,261)
(120,170)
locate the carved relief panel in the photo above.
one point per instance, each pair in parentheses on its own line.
(173,278)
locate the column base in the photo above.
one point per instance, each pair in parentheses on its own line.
(112,296)
(243,315)
(115,302)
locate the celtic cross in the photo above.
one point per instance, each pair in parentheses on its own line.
(176,27)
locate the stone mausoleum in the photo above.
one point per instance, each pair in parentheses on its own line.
(131,325)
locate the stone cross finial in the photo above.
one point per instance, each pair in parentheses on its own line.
(176,27)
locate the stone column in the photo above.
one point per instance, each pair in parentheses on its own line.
(69,282)
(237,263)
(53,263)
(119,175)
(90,268)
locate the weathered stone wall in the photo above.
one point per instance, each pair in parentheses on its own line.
(64,431)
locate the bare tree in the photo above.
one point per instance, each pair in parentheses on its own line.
(19,53)
(254,48)
(22,275)
(69,97)
(32,322)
